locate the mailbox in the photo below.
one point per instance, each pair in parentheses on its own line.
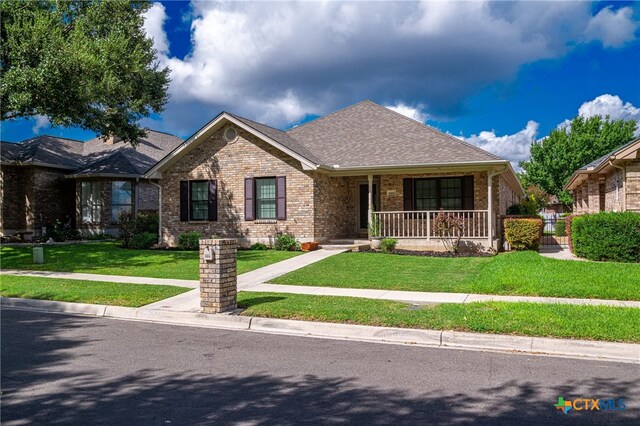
(209,254)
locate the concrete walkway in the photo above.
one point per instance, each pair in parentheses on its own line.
(561,253)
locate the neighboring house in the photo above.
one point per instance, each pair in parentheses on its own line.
(84,184)
(555,207)
(610,183)
(323,180)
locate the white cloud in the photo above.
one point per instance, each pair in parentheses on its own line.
(154,20)
(513,147)
(41,122)
(417,113)
(280,62)
(612,28)
(610,105)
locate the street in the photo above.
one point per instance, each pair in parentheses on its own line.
(79,370)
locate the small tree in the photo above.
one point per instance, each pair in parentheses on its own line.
(538,197)
(448,227)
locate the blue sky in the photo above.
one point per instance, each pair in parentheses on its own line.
(498,74)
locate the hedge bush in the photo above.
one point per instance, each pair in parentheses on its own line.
(523,234)
(132,225)
(388,245)
(612,236)
(286,242)
(144,240)
(560,228)
(189,241)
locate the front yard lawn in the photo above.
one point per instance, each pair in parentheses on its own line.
(103,293)
(517,273)
(110,259)
(527,319)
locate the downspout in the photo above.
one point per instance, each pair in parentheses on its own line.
(624,184)
(159,210)
(490,176)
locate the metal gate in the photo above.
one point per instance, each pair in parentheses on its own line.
(554,233)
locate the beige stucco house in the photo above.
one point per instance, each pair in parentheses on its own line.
(330,178)
(610,183)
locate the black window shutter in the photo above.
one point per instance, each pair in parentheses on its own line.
(281,198)
(249,202)
(407,193)
(467,193)
(213,200)
(184,200)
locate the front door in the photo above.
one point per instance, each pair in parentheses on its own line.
(363,211)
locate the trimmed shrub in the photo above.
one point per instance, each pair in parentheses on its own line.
(560,228)
(189,241)
(131,225)
(144,240)
(523,234)
(388,245)
(286,242)
(608,236)
(567,221)
(259,246)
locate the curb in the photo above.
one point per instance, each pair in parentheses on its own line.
(584,349)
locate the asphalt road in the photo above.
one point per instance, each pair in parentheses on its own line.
(80,370)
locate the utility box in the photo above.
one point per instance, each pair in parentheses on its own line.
(38,255)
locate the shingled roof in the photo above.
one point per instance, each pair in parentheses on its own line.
(368,135)
(94,157)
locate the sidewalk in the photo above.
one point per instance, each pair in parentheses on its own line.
(254,282)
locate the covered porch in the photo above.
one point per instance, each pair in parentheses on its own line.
(404,206)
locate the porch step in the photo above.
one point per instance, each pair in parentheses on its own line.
(351,245)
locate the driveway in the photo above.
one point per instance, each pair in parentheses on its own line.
(72,370)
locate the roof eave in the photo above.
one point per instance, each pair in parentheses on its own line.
(103,175)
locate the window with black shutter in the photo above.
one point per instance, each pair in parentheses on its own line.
(198,200)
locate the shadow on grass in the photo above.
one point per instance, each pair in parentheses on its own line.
(40,388)
(254,301)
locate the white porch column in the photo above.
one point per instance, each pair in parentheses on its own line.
(370,208)
(490,175)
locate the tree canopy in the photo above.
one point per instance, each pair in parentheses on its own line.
(80,63)
(566,149)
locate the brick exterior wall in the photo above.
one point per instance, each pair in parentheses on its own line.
(335,202)
(614,191)
(586,197)
(147,196)
(632,187)
(230,164)
(34,197)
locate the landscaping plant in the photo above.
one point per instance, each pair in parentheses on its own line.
(62,231)
(144,240)
(286,242)
(523,233)
(448,227)
(259,246)
(613,236)
(388,245)
(131,225)
(189,241)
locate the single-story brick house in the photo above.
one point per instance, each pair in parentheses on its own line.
(325,179)
(84,184)
(610,183)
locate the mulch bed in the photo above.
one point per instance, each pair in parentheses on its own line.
(431,253)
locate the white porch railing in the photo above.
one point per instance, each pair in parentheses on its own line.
(418,224)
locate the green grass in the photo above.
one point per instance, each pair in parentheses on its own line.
(517,273)
(102,293)
(527,319)
(110,259)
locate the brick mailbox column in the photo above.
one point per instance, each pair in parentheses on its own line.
(218,275)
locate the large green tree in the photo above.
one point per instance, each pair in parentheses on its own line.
(556,157)
(80,63)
